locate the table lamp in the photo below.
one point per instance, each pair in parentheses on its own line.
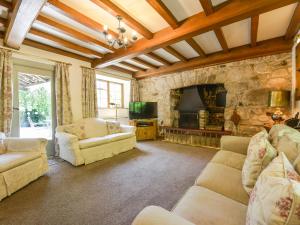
(278,100)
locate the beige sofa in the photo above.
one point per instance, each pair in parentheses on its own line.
(218,196)
(98,143)
(23,161)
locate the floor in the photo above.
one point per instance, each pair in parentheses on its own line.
(108,192)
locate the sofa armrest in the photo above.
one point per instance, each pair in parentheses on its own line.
(235,144)
(153,215)
(25,144)
(69,148)
(127,128)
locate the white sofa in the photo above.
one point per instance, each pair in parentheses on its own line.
(98,143)
(23,161)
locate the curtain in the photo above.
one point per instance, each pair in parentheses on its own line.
(5,91)
(134,91)
(62,93)
(89,93)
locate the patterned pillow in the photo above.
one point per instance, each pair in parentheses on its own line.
(113,127)
(259,154)
(75,129)
(275,198)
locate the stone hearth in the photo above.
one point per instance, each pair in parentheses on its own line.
(247,83)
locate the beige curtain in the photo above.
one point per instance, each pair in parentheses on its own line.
(62,93)
(134,91)
(89,93)
(5,91)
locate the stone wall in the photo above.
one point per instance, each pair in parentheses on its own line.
(247,83)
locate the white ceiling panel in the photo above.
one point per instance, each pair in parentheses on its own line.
(275,23)
(54,44)
(143,13)
(150,60)
(217,2)
(47,29)
(165,55)
(125,67)
(183,9)
(136,64)
(238,34)
(208,42)
(185,49)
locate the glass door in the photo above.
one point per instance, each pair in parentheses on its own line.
(33,104)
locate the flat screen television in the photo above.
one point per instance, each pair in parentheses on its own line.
(142,110)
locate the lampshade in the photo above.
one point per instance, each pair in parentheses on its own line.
(279,98)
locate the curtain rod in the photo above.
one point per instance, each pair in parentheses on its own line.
(26,54)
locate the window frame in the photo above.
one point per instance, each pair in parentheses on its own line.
(108,93)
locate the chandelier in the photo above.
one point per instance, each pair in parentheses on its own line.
(121,40)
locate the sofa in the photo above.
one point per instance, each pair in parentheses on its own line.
(92,139)
(21,162)
(218,196)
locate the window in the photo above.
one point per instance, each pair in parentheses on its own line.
(110,93)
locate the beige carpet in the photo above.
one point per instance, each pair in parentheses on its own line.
(109,192)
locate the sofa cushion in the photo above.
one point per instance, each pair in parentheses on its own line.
(205,207)
(92,142)
(76,129)
(275,198)
(260,153)
(113,127)
(224,180)
(231,159)
(13,159)
(94,127)
(277,131)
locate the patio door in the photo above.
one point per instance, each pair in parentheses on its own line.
(33,102)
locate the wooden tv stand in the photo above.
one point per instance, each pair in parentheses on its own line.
(146,129)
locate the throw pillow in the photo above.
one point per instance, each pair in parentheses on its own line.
(275,198)
(75,129)
(259,154)
(113,127)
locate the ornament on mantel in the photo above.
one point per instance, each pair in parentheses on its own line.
(235,117)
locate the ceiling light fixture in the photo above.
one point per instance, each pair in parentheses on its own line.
(121,40)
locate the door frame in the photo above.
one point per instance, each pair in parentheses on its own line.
(30,67)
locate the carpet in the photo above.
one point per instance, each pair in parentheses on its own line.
(109,192)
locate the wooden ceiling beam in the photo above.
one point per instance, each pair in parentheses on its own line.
(58,51)
(65,43)
(113,9)
(158,58)
(264,48)
(175,53)
(6,4)
(294,25)
(72,32)
(144,63)
(120,69)
(209,9)
(196,47)
(200,23)
(164,12)
(132,66)
(79,17)
(22,17)
(254,29)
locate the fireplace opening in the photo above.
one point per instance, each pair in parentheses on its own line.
(201,107)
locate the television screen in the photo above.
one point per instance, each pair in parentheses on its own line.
(142,110)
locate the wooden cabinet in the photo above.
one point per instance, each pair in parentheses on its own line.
(146,129)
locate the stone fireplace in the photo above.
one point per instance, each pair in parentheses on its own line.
(247,84)
(200,106)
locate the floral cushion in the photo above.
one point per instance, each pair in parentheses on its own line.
(75,129)
(259,154)
(113,127)
(275,198)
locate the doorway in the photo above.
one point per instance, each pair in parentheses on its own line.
(34,102)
